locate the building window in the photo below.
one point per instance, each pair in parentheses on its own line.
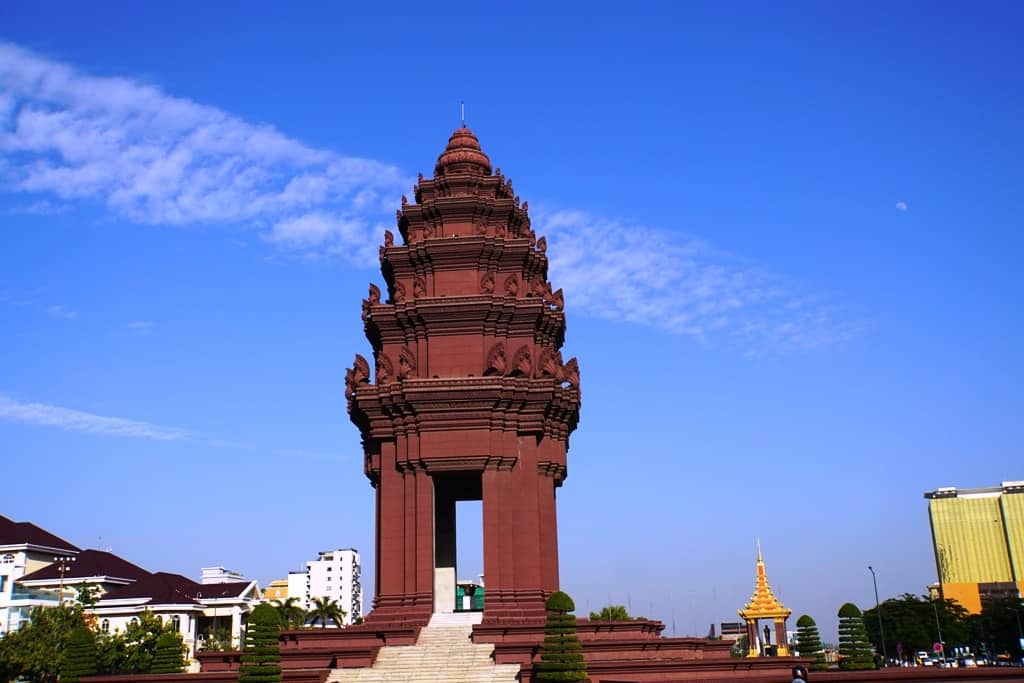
(3,582)
(134,621)
(105,625)
(7,559)
(176,623)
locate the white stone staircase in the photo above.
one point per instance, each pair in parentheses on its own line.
(443,653)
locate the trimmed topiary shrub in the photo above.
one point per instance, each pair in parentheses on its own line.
(808,642)
(169,657)
(261,657)
(561,656)
(78,658)
(854,649)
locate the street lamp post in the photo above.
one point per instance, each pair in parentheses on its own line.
(938,629)
(64,561)
(878,611)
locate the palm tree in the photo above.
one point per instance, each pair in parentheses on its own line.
(291,614)
(324,610)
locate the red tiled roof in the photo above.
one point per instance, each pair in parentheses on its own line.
(162,588)
(26,533)
(91,563)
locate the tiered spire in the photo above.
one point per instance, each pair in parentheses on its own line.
(763,604)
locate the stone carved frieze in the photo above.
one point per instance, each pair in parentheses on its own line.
(419,288)
(542,245)
(389,238)
(399,292)
(522,363)
(385,369)
(487,284)
(496,363)
(557,300)
(406,364)
(512,285)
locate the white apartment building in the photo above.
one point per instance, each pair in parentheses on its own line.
(24,549)
(335,575)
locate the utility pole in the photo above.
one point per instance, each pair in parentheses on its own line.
(878,611)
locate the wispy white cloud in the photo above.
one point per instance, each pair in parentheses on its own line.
(62,313)
(902,206)
(619,270)
(153,158)
(41,208)
(140,327)
(78,421)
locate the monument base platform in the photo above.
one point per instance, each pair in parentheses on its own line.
(616,652)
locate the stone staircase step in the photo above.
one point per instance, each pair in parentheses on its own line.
(443,653)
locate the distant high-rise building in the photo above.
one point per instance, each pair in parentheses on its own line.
(335,574)
(978,538)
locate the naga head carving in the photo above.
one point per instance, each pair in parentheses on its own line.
(487,284)
(571,372)
(385,369)
(496,363)
(512,285)
(406,364)
(550,365)
(522,363)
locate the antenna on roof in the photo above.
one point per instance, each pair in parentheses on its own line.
(462,111)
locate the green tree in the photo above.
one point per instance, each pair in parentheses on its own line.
(292,616)
(34,652)
(88,595)
(740,648)
(561,655)
(610,613)
(78,658)
(996,630)
(261,656)
(324,610)
(169,656)
(140,639)
(909,620)
(808,642)
(854,649)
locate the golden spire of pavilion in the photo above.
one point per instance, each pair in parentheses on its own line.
(763,604)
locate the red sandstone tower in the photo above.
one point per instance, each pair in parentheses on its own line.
(469,399)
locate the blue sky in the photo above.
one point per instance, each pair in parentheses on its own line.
(789,237)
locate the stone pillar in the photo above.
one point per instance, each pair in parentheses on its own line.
(390,564)
(548,533)
(424,539)
(445,548)
(753,649)
(780,637)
